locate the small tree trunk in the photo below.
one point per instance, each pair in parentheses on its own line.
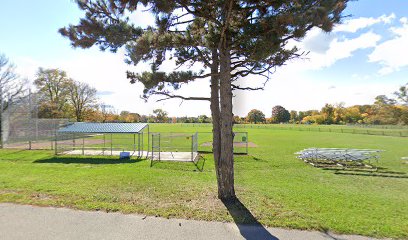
(215,113)
(226,163)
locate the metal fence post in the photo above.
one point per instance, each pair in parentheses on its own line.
(134,142)
(142,142)
(148,140)
(192,147)
(83,145)
(73,141)
(104,144)
(151,147)
(247,140)
(56,141)
(138,144)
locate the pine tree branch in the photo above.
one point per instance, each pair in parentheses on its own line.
(237,87)
(171,96)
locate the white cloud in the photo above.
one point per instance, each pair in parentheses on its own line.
(353,25)
(392,54)
(141,17)
(336,48)
(340,49)
(317,41)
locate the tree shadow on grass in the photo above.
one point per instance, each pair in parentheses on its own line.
(376,172)
(256,158)
(248,225)
(188,166)
(82,160)
(200,163)
(371,174)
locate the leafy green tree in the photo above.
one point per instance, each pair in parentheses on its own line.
(294,116)
(53,88)
(203,119)
(338,117)
(160,115)
(256,116)
(126,116)
(237,119)
(316,118)
(280,114)
(383,111)
(404,115)
(82,98)
(402,94)
(383,100)
(230,39)
(328,113)
(301,115)
(352,115)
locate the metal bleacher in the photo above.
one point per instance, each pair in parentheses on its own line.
(345,157)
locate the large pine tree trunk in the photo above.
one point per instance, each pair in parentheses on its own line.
(215,114)
(226,189)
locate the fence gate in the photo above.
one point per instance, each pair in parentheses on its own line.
(155,150)
(194,147)
(173,146)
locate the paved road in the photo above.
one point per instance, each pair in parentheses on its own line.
(29,222)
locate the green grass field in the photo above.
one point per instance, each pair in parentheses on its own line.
(382,130)
(277,188)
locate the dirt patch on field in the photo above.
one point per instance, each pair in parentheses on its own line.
(7,191)
(239,144)
(41,196)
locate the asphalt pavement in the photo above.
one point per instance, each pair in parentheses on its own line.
(42,223)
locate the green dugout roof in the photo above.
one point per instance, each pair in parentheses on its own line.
(84,127)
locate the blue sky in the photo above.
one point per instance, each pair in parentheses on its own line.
(362,58)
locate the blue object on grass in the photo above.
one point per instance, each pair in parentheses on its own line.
(124,155)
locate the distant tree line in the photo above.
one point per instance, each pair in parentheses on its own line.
(62,97)
(384,111)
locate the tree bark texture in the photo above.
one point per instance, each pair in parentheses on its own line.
(215,113)
(226,189)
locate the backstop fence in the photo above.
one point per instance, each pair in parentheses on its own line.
(21,128)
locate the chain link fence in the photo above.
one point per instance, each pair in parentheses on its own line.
(171,146)
(21,128)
